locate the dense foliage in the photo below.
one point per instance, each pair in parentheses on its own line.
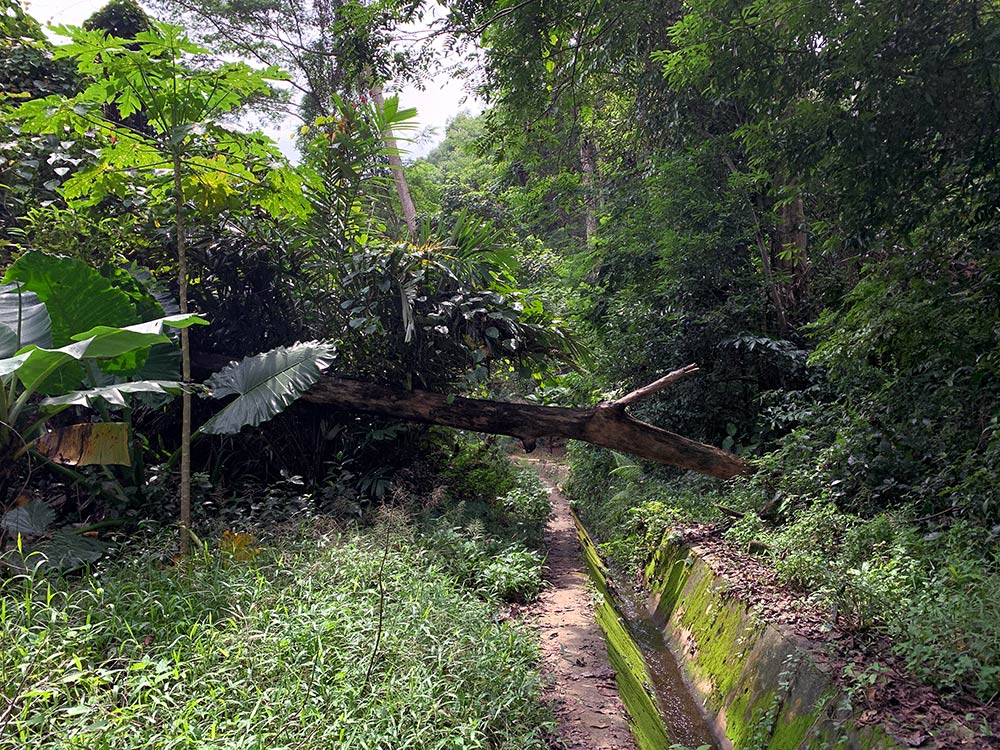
(261,647)
(799,196)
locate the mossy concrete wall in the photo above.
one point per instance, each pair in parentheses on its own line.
(760,687)
(631,675)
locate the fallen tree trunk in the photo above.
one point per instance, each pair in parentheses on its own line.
(607,425)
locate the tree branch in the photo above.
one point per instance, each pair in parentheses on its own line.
(648,390)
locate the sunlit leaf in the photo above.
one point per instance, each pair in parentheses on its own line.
(265,384)
(76,296)
(113,395)
(108,341)
(25,315)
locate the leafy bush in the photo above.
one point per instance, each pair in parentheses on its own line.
(524,510)
(477,470)
(932,590)
(627,506)
(488,529)
(493,568)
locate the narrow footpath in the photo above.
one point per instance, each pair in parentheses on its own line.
(580,684)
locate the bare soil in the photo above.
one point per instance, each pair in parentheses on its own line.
(574,659)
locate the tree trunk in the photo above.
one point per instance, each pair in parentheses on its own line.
(185,490)
(396,166)
(607,425)
(795,252)
(588,176)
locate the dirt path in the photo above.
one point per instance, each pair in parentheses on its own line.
(581,686)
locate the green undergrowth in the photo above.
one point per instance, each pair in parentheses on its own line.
(281,646)
(487,528)
(288,643)
(931,584)
(626,509)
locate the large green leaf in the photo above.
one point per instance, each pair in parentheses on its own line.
(113,395)
(37,367)
(8,341)
(31,519)
(67,551)
(109,341)
(265,384)
(24,316)
(9,365)
(62,550)
(76,296)
(163,362)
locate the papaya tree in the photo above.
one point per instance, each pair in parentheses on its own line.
(185,155)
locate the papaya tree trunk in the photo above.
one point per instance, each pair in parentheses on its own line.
(185,489)
(396,166)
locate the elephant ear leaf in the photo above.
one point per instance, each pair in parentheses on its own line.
(24,320)
(31,518)
(8,341)
(76,296)
(266,384)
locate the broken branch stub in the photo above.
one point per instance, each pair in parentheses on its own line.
(658,385)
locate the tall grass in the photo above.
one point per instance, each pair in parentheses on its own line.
(272,652)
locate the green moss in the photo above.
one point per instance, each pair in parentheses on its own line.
(625,657)
(721,631)
(790,730)
(746,684)
(750,679)
(667,573)
(633,681)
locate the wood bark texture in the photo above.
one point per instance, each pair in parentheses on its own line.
(607,425)
(396,167)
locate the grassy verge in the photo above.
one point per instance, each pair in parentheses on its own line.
(931,584)
(275,646)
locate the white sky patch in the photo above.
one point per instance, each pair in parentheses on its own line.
(442,97)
